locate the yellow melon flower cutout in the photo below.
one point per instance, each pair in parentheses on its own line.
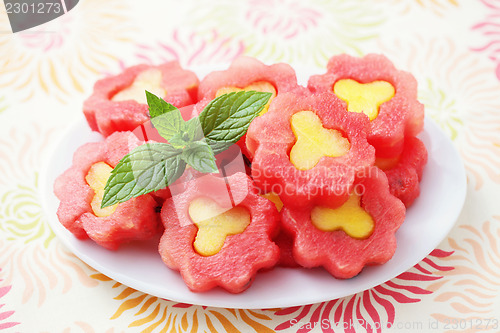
(350,217)
(96,178)
(260,86)
(364,97)
(314,141)
(215,223)
(275,199)
(149,80)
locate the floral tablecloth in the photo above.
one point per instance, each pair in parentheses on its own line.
(451,46)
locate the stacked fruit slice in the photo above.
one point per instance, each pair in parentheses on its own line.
(320,178)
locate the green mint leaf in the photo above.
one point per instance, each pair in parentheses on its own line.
(165,117)
(180,140)
(226,119)
(192,132)
(154,166)
(193,129)
(200,156)
(147,168)
(219,146)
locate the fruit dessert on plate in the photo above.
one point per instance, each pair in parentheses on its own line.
(246,170)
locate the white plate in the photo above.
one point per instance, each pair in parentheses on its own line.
(139,266)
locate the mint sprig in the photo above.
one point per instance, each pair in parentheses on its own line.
(200,156)
(154,166)
(226,119)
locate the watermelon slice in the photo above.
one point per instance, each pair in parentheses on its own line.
(135,219)
(396,117)
(344,255)
(272,140)
(118,103)
(235,264)
(404,177)
(246,73)
(284,240)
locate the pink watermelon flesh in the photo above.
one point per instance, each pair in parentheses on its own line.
(404,178)
(401,116)
(107,116)
(242,255)
(340,254)
(243,72)
(270,138)
(135,219)
(285,243)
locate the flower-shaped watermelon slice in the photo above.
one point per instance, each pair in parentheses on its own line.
(246,73)
(80,189)
(373,86)
(344,240)
(308,148)
(118,103)
(218,232)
